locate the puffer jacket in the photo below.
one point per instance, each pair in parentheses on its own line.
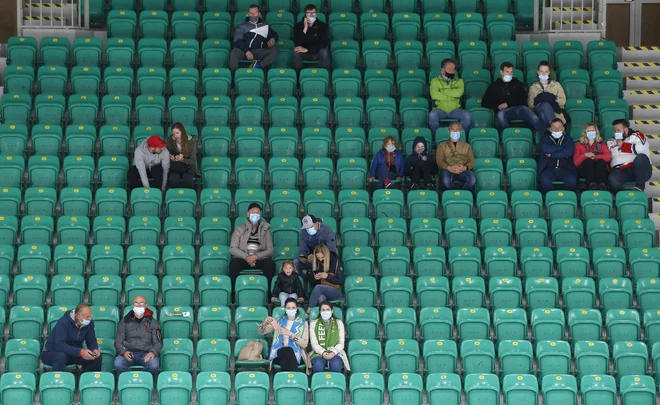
(241,235)
(145,160)
(134,335)
(246,37)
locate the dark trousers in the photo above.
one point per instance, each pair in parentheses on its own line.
(520,112)
(640,172)
(267,267)
(593,170)
(182,180)
(155,176)
(383,173)
(323,56)
(549,175)
(59,360)
(265,56)
(286,359)
(422,169)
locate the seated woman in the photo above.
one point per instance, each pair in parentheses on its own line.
(327,336)
(326,277)
(546,97)
(387,165)
(290,337)
(183,156)
(591,156)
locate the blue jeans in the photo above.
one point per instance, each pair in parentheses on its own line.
(545,112)
(448,178)
(123,365)
(322,293)
(284,296)
(640,172)
(462,116)
(519,112)
(382,173)
(569,177)
(319,363)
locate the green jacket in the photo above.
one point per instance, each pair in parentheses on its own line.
(447,96)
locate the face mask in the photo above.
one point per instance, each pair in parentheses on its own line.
(591,135)
(311,231)
(507,78)
(618,135)
(557,135)
(325,315)
(390,148)
(254,218)
(420,149)
(139,311)
(450,75)
(455,136)
(544,77)
(312,19)
(254,19)
(85,322)
(291,313)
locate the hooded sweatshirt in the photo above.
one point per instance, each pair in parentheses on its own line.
(139,335)
(248,34)
(414,157)
(67,337)
(145,160)
(623,156)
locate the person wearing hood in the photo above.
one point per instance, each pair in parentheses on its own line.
(139,340)
(64,345)
(310,37)
(387,164)
(547,96)
(508,98)
(313,233)
(556,158)
(455,160)
(630,157)
(254,40)
(183,157)
(251,246)
(152,161)
(446,91)
(419,166)
(327,336)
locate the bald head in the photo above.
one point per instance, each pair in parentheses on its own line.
(83,315)
(139,306)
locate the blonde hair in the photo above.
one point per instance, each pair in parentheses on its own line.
(288,263)
(583,137)
(322,248)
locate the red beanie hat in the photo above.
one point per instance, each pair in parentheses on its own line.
(156,142)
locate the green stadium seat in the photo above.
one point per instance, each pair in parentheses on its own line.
(432,291)
(174,388)
(122,23)
(436,323)
(477,356)
(596,204)
(440,356)
(104,290)
(481,389)
(151,81)
(601,55)
(473,323)
(16,109)
(510,324)
(396,291)
(644,263)
(598,389)
(106,260)
(607,84)
(109,230)
(401,356)
(496,232)
(214,290)
(142,260)
(135,387)
(13,138)
(52,80)
(358,260)
(398,323)
(591,358)
(33,259)
(22,51)
(7,257)
(622,324)
(152,52)
(327,388)
(637,389)
(42,201)
(154,24)
(67,290)
(345,54)
(366,387)
(505,292)
(515,357)
(553,357)
(19,388)
(464,261)
(49,109)
(638,233)
(87,51)
(468,292)
(559,389)
(106,320)
(631,205)
(21,357)
(469,26)
(185,25)
(214,322)
(178,290)
(360,291)
(85,80)
(522,388)
(609,262)
(315,111)
(534,52)
(56,387)
(630,358)
(460,232)
(438,26)
(97,387)
(501,261)
(473,54)
(547,324)
(83,109)
(215,53)
(500,26)
(314,82)
(321,202)
(362,323)
(176,355)
(584,325)
(578,293)
(216,24)
(247,319)
(25,322)
(408,54)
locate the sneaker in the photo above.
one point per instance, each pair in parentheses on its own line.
(430,186)
(593,186)
(388,183)
(602,186)
(413,187)
(638,189)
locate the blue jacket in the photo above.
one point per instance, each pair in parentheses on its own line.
(308,242)
(67,337)
(380,159)
(560,150)
(246,39)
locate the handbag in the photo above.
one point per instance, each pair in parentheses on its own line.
(251,351)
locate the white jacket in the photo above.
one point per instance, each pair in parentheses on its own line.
(337,350)
(634,144)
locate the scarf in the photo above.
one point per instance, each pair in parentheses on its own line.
(297,328)
(326,337)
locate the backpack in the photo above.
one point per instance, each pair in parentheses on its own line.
(251,351)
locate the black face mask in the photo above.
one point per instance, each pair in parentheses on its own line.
(450,75)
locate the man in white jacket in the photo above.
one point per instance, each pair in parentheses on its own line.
(630,157)
(151,160)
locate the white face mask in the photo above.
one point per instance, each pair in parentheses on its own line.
(455,136)
(557,135)
(139,311)
(544,77)
(390,148)
(507,78)
(618,135)
(85,322)
(291,313)
(312,19)
(254,218)
(420,148)
(325,315)
(311,231)
(591,135)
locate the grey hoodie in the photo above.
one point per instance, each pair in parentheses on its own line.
(145,160)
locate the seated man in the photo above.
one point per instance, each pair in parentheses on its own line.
(64,345)
(313,233)
(556,158)
(254,40)
(455,160)
(151,159)
(311,39)
(508,98)
(446,92)
(630,157)
(251,246)
(139,339)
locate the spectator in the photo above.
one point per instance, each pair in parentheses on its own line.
(314,232)
(287,284)
(387,164)
(630,157)
(152,161)
(591,156)
(455,160)
(419,166)
(290,338)
(446,92)
(326,278)
(64,345)
(254,40)
(139,340)
(556,158)
(327,336)
(251,246)
(546,96)
(311,39)
(508,98)
(183,157)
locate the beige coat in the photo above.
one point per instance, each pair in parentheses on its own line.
(446,150)
(241,235)
(553,87)
(338,349)
(265,329)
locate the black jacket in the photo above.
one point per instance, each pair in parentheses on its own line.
(414,157)
(288,284)
(316,37)
(498,92)
(335,267)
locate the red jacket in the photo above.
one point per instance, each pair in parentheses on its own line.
(582,148)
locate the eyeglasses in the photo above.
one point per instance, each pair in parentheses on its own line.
(311,13)
(139,304)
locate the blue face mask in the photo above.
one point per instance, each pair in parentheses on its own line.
(557,135)
(390,148)
(311,231)
(455,136)
(591,135)
(254,218)
(618,135)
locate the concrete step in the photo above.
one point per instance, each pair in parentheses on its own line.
(645,111)
(646,126)
(640,53)
(568,25)
(654,141)
(642,96)
(652,189)
(656,221)
(655,205)
(639,68)
(654,156)
(655,174)
(642,83)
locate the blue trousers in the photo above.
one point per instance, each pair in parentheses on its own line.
(448,178)
(520,112)
(569,177)
(322,293)
(640,172)
(462,116)
(545,112)
(318,364)
(382,173)
(123,365)
(59,360)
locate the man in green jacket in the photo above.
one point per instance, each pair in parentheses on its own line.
(446,92)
